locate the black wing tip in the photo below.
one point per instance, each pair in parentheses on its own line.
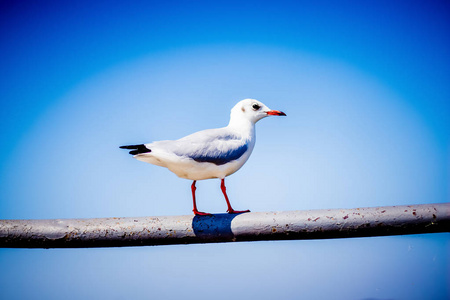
(137,149)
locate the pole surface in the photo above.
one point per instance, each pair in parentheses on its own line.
(260,226)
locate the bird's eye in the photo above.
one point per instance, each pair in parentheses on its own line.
(255,106)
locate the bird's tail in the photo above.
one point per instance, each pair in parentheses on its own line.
(137,149)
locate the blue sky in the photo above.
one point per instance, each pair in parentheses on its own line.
(365,88)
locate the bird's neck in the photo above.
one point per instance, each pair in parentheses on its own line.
(245,127)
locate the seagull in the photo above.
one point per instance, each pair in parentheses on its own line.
(211,153)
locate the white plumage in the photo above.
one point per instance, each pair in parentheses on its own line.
(211,153)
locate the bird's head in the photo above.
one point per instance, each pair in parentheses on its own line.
(252,110)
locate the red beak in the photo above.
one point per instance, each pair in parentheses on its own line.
(275,113)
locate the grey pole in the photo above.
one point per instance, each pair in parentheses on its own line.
(217,228)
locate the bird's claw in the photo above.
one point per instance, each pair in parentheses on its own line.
(199,213)
(232,211)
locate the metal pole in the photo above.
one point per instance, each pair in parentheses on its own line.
(289,225)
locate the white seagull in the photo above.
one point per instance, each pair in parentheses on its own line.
(211,153)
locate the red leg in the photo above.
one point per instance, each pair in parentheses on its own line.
(196,212)
(230,210)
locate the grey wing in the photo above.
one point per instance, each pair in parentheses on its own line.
(216,146)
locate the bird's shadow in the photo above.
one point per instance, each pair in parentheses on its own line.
(215,226)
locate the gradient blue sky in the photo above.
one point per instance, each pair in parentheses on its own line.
(365,87)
